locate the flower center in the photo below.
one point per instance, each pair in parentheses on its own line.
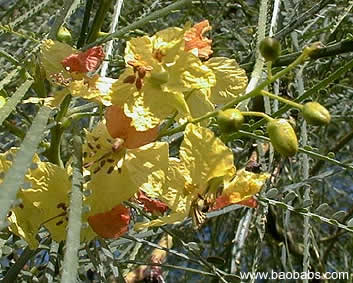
(140,70)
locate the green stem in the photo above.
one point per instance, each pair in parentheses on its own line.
(269,69)
(322,84)
(60,19)
(84,28)
(308,152)
(53,153)
(257,114)
(99,19)
(77,116)
(18,132)
(286,101)
(155,15)
(236,100)
(19,264)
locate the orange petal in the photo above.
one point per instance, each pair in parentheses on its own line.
(225,200)
(119,126)
(151,205)
(111,224)
(250,202)
(194,39)
(84,62)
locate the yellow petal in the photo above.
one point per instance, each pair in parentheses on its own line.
(98,150)
(174,193)
(168,42)
(199,104)
(188,73)
(49,195)
(205,156)
(244,185)
(139,49)
(149,106)
(147,167)
(108,190)
(52,53)
(97,89)
(25,223)
(231,80)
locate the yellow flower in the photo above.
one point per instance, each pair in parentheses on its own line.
(67,67)
(45,203)
(119,167)
(203,159)
(159,74)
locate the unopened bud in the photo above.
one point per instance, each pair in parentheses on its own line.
(64,35)
(230,120)
(270,48)
(316,114)
(283,137)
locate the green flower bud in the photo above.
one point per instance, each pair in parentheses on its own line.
(316,114)
(283,137)
(230,120)
(64,35)
(270,48)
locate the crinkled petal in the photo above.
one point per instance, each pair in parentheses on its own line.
(188,73)
(25,223)
(167,44)
(154,206)
(244,185)
(174,193)
(231,80)
(84,62)
(204,155)
(152,105)
(194,40)
(139,49)
(97,89)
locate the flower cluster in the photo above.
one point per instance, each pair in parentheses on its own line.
(169,73)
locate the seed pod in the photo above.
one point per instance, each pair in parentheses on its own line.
(270,48)
(230,120)
(316,114)
(283,137)
(64,35)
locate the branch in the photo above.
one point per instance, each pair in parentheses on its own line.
(342,47)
